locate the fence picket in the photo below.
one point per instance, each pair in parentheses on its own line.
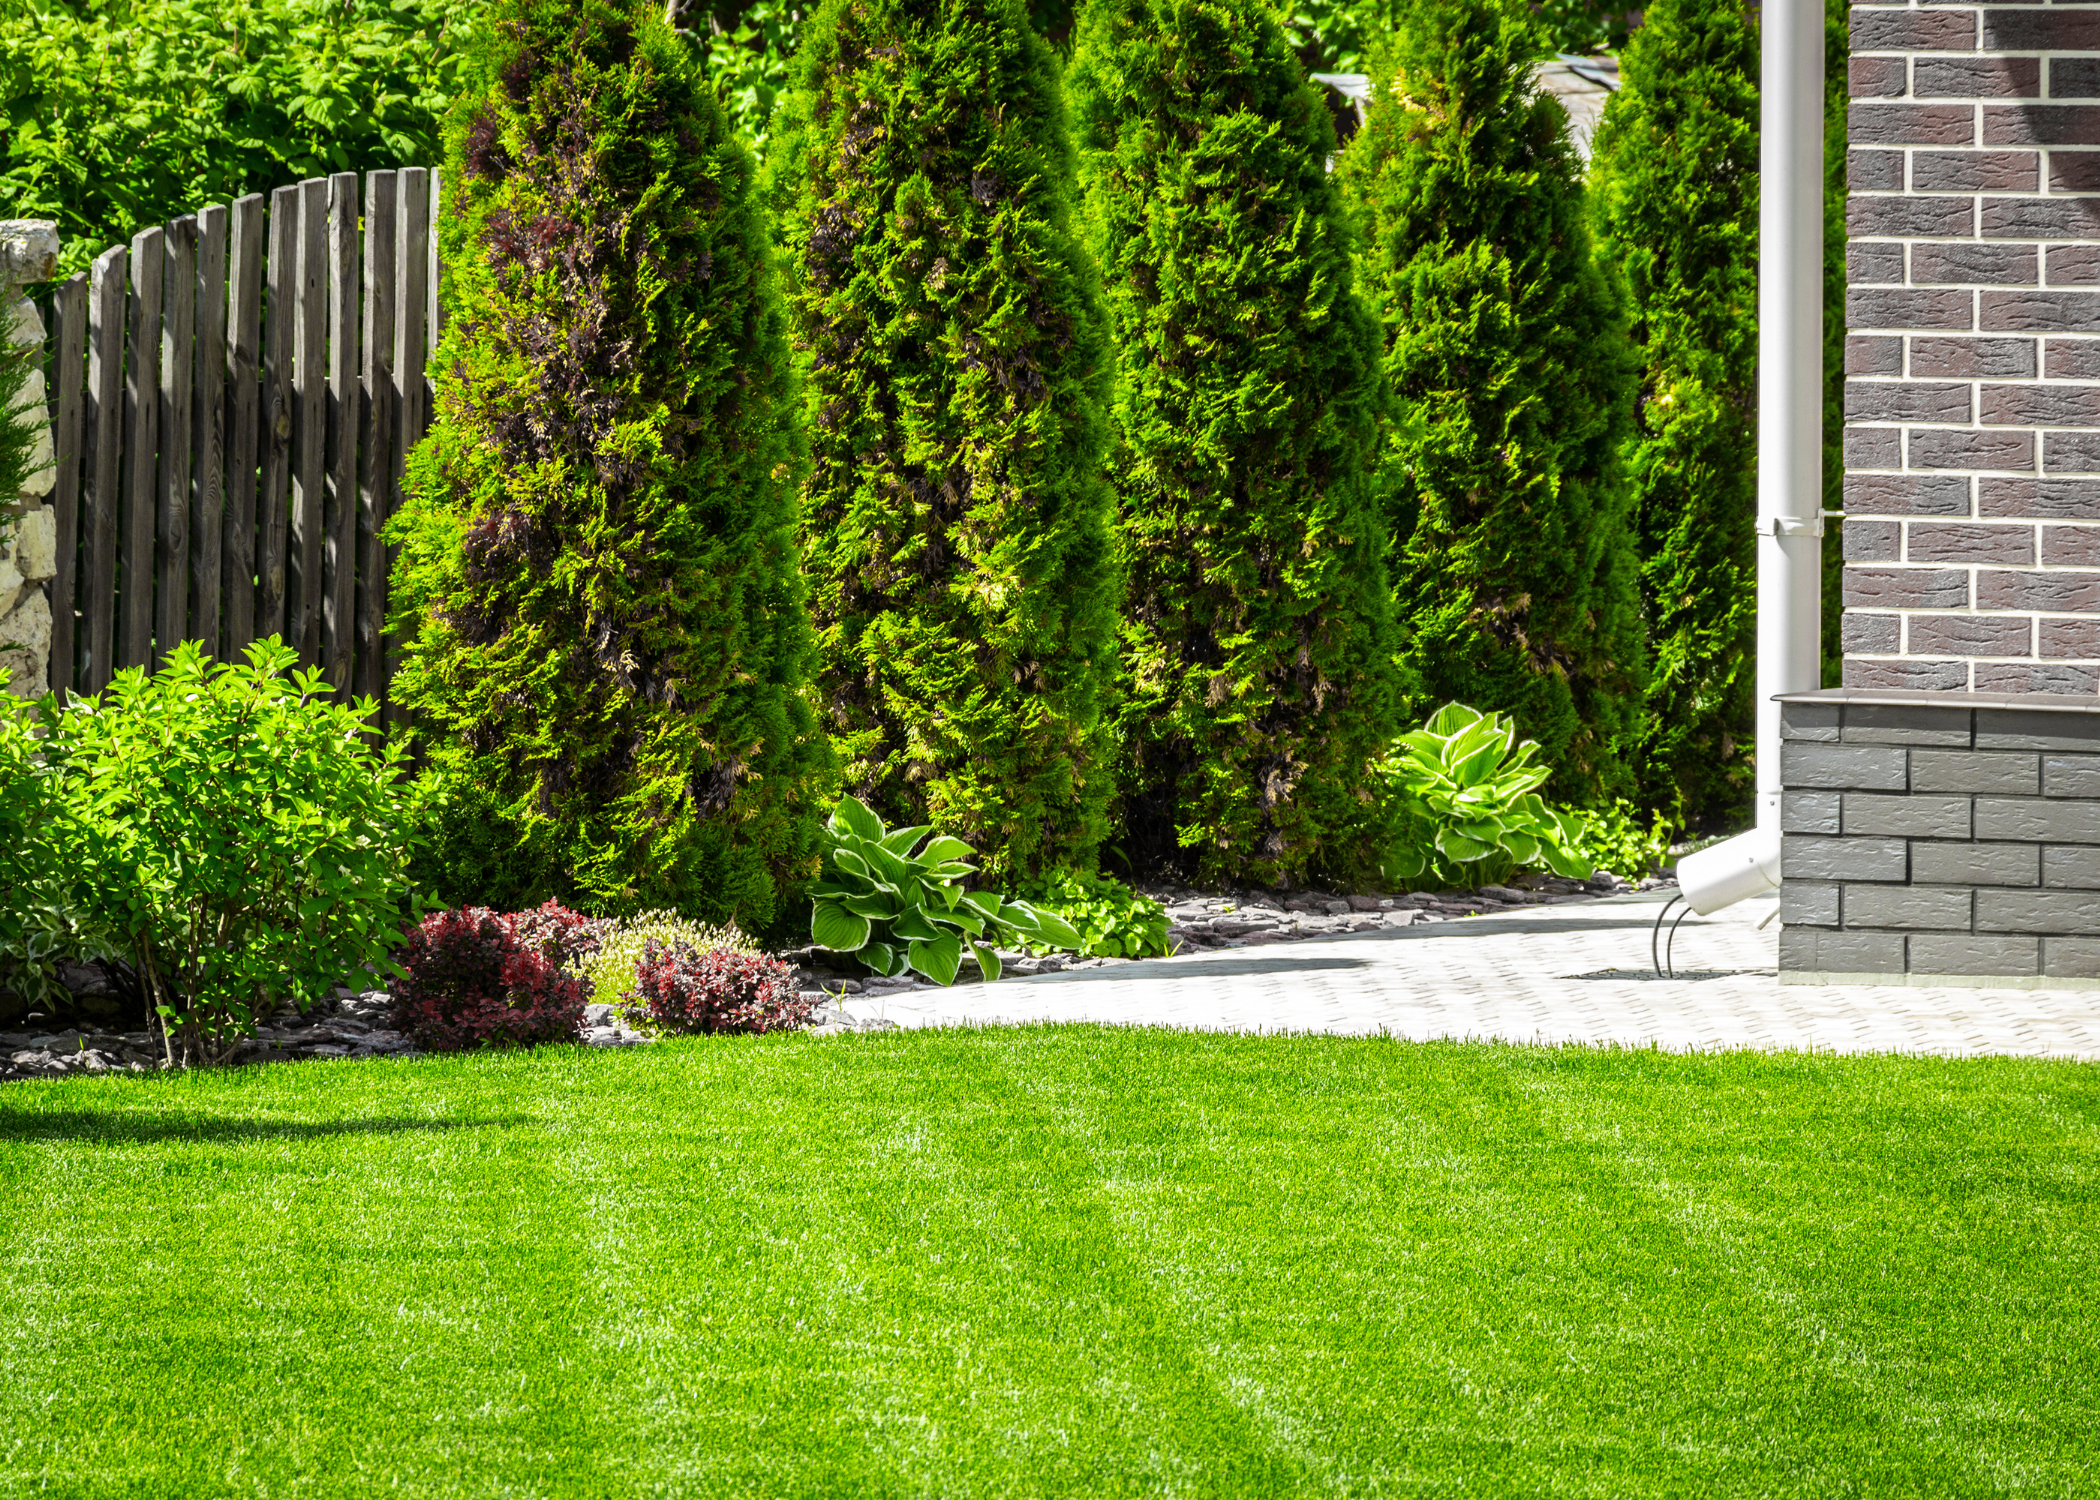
(208,431)
(375,459)
(178,294)
(272,507)
(243,361)
(102,500)
(309,425)
(141,443)
(69,343)
(345,419)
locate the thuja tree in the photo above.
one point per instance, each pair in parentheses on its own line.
(1507,355)
(1258,637)
(1674,195)
(957,513)
(606,632)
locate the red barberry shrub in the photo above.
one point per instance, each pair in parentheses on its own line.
(478,978)
(681,988)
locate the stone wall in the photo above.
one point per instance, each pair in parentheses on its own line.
(1972,450)
(1953,838)
(28,533)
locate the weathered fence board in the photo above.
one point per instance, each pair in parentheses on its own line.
(69,346)
(102,500)
(243,370)
(234,395)
(208,431)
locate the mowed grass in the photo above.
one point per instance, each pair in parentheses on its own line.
(1066,1261)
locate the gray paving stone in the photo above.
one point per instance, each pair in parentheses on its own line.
(1551,974)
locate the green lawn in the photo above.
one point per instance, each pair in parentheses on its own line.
(1069,1261)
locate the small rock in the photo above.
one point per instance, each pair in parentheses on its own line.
(598,1015)
(1337,908)
(1367,903)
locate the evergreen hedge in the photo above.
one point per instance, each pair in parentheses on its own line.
(1506,351)
(606,629)
(1258,636)
(957,514)
(1674,192)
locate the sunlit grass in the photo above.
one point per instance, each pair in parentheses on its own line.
(1071,1261)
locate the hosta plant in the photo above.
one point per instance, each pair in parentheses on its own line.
(1112,920)
(895,900)
(1463,790)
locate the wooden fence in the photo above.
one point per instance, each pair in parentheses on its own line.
(233,395)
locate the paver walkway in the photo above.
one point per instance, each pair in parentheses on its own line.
(1576,973)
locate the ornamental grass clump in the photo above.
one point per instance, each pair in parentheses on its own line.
(957,516)
(680,988)
(1257,638)
(1516,575)
(598,589)
(479,978)
(1674,198)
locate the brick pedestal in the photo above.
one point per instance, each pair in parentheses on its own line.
(1941,837)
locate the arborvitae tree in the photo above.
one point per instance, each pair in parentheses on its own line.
(607,635)
(1507,356)
(1674,194)
(1258,636)
(957,514)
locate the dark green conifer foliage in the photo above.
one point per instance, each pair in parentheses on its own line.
(1674,193)
(606,628)
(957,514)
(1507,356)
(1258,637)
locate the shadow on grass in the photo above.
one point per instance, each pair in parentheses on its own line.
(117,1127)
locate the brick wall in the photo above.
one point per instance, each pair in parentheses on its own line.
(1972,399)
(1940,841)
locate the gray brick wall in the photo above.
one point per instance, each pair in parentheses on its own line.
(1940,840)
(1972,397)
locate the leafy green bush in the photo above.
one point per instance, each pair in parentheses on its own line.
(611,970)
(1612,838)
(605,628)
(1506,350)
(123,113)
(235,831)
(1461,804)
(896,903)
(1257,636)
(1674,199)
(957,517)
(39,920)
(18,429)
(1111,919)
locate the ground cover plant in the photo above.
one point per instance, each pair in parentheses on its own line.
(604,622)
(956,519)
(1055,1262)
(1515,570)
(1257,631)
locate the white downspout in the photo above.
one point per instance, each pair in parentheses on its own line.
(1789,430)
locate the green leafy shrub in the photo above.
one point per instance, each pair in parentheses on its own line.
(1257,637)
(1110,919)
(235,831)
(123,113)
(897,903)
(479,978)
(1518,582)
(39,921)
(957,517)
(1612,838)
(706,991)
(18,427)
(605,628)
(1461,804)
(611,970)
(1674,198)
